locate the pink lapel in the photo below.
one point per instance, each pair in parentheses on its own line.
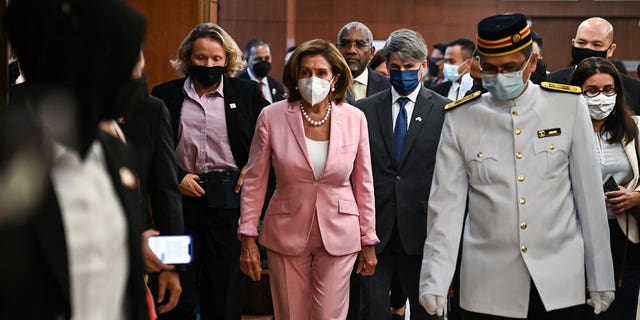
(294,118)
(335,136)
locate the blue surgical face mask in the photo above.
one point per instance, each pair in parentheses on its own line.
(505,86)
(404,81)
(450,72)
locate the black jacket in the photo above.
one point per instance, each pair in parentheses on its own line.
(247,103)
(402,190)
(277,90)
(147,128)
(35,268)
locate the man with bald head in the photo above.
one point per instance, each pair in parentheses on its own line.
(594,38)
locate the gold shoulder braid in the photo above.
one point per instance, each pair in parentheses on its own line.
(463,100)
(560,87)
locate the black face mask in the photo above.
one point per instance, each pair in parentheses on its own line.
(433,68)
(207,76)
(261,69)
(579,54)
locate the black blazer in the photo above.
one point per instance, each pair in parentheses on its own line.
(35,269)
(277,90)
(376,82)
(402,191)
(443,88)
(631,86)
(247,103)
(147,128)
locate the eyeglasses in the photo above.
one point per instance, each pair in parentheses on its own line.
(346,44)
(493,70)
(436,60)
(607,91)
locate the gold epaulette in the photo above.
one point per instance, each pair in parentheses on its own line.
(560,87)
(463,100)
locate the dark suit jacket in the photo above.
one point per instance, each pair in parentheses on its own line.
(241,119)
(402,191)
(376,82)
(35,269)
(147,128)
(631,86)
(277,90)
(443,88)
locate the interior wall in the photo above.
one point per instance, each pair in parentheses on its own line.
(285,22)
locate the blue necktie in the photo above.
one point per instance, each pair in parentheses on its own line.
(401,127)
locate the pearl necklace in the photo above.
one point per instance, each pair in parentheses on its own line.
(314,122)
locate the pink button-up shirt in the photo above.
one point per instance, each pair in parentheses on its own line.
(203,142)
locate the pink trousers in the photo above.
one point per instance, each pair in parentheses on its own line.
(311,286)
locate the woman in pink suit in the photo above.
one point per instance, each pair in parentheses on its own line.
(322,212)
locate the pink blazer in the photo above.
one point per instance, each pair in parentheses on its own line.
(343,196)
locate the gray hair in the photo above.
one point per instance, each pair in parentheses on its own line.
(358,26)
(405,44)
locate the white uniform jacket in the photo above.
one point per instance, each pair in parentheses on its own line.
(529,169)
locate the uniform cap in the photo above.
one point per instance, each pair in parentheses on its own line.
(503,34)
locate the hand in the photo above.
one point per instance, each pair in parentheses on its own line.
(367,261)
(190,187)
(240,179)
(151,261)
(601,300)
(434,305)
(168,281)
(250,258)
(622,200)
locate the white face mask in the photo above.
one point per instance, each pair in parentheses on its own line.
(314,90)
(601,105)
(450,72)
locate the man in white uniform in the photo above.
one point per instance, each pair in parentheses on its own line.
(524,158)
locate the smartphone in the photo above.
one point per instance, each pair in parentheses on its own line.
(610,184)
(172,249)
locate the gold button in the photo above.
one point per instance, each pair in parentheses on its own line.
(552,146)
(520,178)
(523,201)
(315,183)
(523,225)
(523,249)
(519,155)
(480,154)
(518,131)
(515,113)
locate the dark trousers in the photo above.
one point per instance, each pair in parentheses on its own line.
(374,293)
(537,311)
(213,281)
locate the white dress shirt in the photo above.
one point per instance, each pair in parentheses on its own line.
(96,233)
(266,91)
(395,108)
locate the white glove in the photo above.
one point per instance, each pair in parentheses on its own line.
(434,304)
(601,300)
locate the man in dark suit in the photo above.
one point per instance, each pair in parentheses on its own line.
(72,250)
(147,131)
(594,38)
(404,130)
(457,63)
(355,42)
(213,118)
(258,55)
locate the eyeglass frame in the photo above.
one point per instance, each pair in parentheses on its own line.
(483,71)
(615,91)
(360,44)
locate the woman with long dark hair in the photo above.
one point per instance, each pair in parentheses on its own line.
(616,134)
